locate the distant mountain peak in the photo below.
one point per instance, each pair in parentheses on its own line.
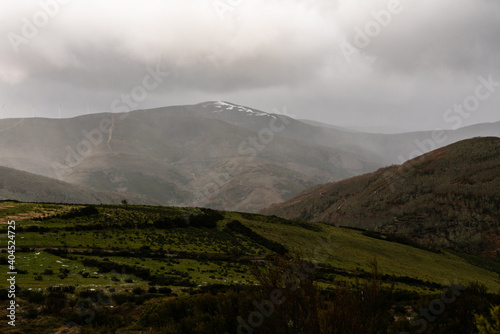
(222,107)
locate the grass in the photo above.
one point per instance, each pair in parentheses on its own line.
(201,272)
(35,263)
(351,250)
(210,255)
(193,240)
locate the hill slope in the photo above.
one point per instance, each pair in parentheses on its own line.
(23,186)
(384,149)
(203,235)
(450,196)
(213,154)
(121,263)
(182,155)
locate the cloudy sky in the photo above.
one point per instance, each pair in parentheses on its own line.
(373,63)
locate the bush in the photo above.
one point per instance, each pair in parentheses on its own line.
(164,290)
(34,297)
(485,326)
(54,302)
(88,293)
(194,314)
(4,294)
(121,298)
(30,312)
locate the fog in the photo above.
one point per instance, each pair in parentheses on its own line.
(399,65)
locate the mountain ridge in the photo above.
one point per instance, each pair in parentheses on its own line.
(173,155)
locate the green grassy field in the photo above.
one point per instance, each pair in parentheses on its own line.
(351,250)
(137,256)
(207,255)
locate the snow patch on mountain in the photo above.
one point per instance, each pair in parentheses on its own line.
(221,106)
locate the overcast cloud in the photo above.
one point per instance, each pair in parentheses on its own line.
(261,53)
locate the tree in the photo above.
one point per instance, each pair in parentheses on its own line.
(485,326)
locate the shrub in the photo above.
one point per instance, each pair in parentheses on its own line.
(164,290)
(30,313)
(121,298)
(34,297)
(88,293)
(487,326)
(54,302)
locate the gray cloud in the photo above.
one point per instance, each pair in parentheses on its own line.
(265,54)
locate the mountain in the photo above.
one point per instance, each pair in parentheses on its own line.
(213,154)
(400,147)
(417,143)
(27,187)
(366,129)
(450,196)
(382,149)
(181,155)
(326,125)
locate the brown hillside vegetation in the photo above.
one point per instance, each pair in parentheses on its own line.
(450,197)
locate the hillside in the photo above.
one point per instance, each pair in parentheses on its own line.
(450,196)
(181,155)
(213,154)
(107,267)
(384,149)
(27,187)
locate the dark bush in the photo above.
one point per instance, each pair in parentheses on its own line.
(121,298)
(164,290)
(88,293)
(34,297)
(30,313)
(54,302)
